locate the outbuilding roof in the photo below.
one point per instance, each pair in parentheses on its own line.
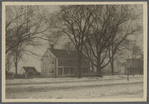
(29,69)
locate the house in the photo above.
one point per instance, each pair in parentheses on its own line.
(134,66)
(29,72)
(62,63)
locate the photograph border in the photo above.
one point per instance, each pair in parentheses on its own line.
(145,47)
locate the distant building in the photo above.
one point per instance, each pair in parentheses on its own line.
(62,63)
(29,72)
(134,66)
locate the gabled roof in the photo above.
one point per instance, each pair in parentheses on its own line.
(60,53)
(29,69)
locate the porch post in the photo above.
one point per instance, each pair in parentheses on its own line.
(88,71)
(63,71)
(69,71)
(75,71)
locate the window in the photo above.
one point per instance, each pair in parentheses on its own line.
(52,70)
(52,61)
(66,70)
(72,71)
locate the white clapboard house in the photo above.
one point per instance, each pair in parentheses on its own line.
(62,63)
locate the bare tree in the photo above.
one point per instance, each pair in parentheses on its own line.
(74,22)
(17,54)
(134,50)
(97,30)
(8,62)
(118,46)
(131,29)
(112,24)
(68,46)
(24,24)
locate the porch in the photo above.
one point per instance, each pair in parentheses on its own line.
(71,71)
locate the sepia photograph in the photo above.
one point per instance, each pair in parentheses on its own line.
(74,51)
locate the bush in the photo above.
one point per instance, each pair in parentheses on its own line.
(9,75)
(19,76)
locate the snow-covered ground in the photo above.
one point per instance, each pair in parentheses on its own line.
(74,88)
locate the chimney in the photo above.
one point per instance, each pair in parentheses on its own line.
(52,46)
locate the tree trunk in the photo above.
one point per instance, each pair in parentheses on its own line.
(112,58)
(112,66)
(16,68)
(6,72)
(99,68)
(79,65)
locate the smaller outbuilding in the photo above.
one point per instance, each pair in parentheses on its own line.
(29,72)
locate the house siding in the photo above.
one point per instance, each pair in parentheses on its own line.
(64,67)
(48,65)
